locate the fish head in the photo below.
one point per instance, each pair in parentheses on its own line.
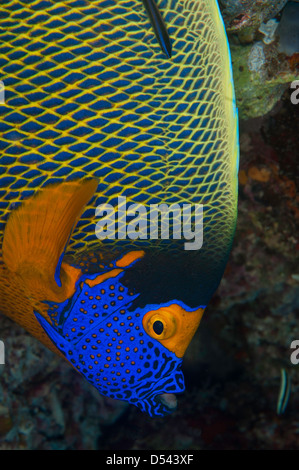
(127,352)
(128,345)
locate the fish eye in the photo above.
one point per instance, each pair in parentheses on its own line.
(159,324)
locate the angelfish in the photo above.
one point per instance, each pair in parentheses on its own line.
(107,99)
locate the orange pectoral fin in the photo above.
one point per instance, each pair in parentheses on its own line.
(36,236)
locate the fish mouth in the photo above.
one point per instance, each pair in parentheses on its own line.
(164,400)
(163,404)
(169,400)
(161,399)
(158,405)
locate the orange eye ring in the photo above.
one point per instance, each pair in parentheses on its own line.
(172,326)
(160,324)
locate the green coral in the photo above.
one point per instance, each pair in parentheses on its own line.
(259,84)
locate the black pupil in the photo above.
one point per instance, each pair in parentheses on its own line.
(158,327)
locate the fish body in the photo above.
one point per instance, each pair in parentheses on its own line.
(95,109)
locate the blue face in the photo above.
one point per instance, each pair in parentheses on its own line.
(106,342)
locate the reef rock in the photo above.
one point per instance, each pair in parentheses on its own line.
(264,47)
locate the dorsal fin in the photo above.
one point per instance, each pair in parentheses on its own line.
(37,233)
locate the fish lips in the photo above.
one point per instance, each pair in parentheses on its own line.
(161,399)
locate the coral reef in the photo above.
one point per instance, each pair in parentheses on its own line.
(262,69)
(245,16)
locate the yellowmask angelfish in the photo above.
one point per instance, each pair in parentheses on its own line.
(111,101)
